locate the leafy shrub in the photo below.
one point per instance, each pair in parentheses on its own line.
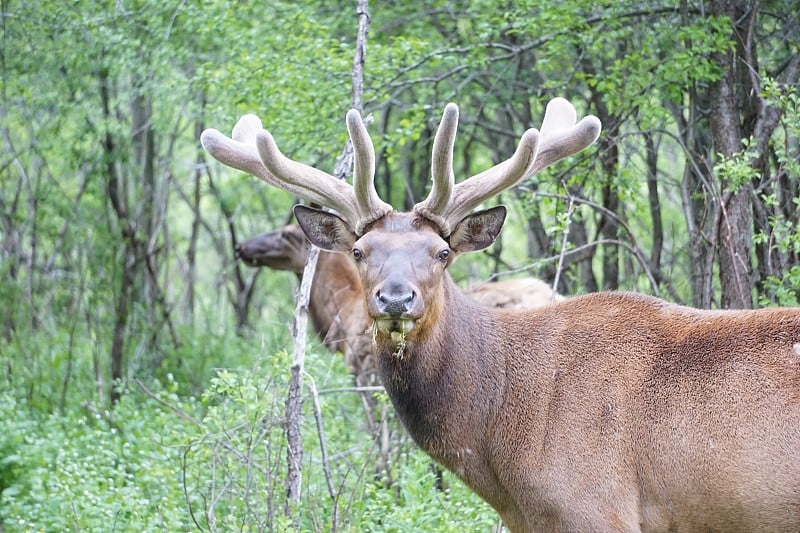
(93,470)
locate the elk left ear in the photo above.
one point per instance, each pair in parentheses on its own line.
(478,230)
(324,229)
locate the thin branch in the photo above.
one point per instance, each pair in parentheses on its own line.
(293,402)
(180,414)
(553,258)
(323,445)
(633,247)
(376,388)
(565,236)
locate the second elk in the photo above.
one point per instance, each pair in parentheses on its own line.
(605,412)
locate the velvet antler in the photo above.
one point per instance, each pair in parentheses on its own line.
(252,149)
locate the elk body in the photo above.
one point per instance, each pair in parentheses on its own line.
(337,305)
(605,412)
(514,294)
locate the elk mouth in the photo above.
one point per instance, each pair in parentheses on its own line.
(395,327)
(252,255)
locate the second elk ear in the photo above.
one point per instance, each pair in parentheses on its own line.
(324,229)
(478,230)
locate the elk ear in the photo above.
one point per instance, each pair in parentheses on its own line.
(324,229)
(478,230)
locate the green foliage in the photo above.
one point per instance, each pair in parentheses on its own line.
(165,459)
(737,169)
(418,505)
(781,237)
(782,290)
(242,442)
(92,470)
(200,442)
(631,81)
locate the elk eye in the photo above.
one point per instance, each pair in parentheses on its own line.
(358,255)
(443,255)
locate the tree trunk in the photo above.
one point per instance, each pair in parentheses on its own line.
(654,203)
(191,252)
(736,220)
(608,226)
(116,191)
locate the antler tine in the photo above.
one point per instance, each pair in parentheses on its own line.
(308,182)
(447,204)
(370,206)
(559,138)
(252,149)
(246,128)
(237,152)
(442,162)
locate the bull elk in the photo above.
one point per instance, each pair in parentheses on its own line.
(604,412)
(336,307)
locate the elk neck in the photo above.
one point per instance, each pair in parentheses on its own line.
(449,377)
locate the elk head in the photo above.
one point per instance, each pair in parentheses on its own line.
(402,257)
(283,249)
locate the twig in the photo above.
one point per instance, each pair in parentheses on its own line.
(578,250)
(180,414)
(323,445)
(570,210)
(376,388)
(294,400)
(633,248)
(105,415)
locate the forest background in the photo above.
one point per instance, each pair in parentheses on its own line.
(144,370)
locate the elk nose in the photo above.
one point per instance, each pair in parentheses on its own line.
(395,301)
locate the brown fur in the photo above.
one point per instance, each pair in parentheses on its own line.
(604,412)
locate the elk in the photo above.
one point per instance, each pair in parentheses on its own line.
(336,308)
(610,411)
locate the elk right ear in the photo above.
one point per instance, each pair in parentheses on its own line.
(325,229)
(478,230)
